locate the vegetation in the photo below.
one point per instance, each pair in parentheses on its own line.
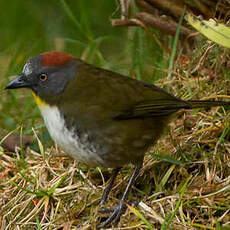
(185,181)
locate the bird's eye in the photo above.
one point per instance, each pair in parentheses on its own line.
(43,77)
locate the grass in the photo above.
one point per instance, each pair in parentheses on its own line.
(185,180)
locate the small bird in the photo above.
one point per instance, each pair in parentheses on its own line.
(100,117)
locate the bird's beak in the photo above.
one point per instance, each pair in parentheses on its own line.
(18,82)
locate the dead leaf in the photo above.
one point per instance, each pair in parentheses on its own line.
(13,140)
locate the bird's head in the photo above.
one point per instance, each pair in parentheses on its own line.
(47,74)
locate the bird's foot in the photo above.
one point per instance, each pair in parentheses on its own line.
(109,210)
(115,216)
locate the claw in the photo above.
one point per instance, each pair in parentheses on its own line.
(107,210)
(112,209)
(115,216)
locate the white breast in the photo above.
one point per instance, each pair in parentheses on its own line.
(67,139)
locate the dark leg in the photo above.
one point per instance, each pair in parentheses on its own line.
(115,216)
(109,186)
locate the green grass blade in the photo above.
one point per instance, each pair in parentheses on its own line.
(166,158)
(73,19)
(166,223)
(52,189)
(175,41)
(139,215)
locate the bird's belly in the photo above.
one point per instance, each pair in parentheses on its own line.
(78,148)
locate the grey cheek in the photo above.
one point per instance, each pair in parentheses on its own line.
(57,84)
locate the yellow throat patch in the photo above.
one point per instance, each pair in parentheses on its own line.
(39,101)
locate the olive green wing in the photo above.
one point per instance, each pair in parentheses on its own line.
(153,108)
(103,94)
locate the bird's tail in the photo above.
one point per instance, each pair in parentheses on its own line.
(206,104)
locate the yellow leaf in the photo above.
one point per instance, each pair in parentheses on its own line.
(213,30)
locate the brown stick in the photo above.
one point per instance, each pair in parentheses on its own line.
(176,7)
(164,25)
(156,22)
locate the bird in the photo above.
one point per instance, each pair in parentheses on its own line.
(100,117)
